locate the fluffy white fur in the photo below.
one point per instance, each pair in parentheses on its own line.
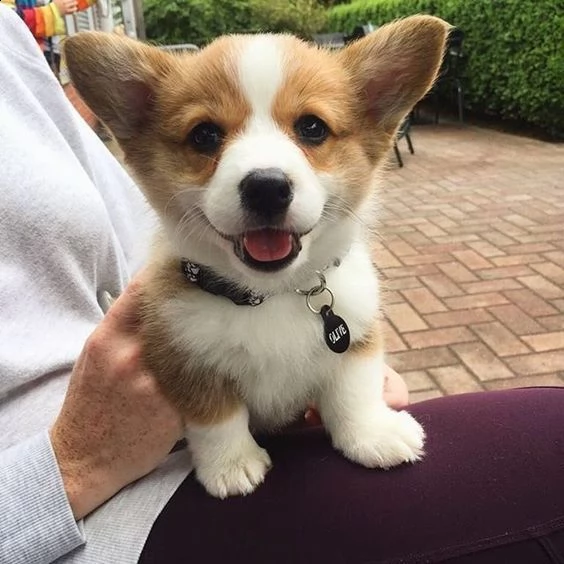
(227,459)
(277,354)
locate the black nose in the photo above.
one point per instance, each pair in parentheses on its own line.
(266,191)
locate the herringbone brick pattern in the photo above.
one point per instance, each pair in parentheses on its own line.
(472,261)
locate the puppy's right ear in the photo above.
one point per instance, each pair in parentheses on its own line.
(395,66)
(117,77)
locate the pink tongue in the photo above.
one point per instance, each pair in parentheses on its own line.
(268,245)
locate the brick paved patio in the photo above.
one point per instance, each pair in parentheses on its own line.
(472,257)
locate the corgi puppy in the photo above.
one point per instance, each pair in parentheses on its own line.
(261,155)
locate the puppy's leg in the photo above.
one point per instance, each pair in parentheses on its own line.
(227,459)
(361,425)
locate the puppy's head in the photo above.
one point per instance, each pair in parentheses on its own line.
(258,152)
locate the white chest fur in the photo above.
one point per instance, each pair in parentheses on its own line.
(276,351)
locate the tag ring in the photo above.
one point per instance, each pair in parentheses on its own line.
(315,292)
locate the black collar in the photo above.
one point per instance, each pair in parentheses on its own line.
(211,282)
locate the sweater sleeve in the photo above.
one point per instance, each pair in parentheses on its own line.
(36,521)
(42,21)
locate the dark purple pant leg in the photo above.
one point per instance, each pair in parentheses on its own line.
(491,485)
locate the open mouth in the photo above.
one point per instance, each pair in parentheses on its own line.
(267,249)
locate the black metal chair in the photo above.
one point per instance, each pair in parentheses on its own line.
(403,132)
(451,77)
(181,48)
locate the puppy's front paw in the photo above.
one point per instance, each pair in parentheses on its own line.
(237,472)
(388,439)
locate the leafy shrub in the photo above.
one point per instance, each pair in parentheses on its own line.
(301,17)
(515,51)
(200,21)
(194,21)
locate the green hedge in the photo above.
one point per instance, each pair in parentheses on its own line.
(200,21)
(300,17)
(194,21)
(515,51)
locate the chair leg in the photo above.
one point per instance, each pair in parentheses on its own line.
(398,156)
(460,102)
(409,143)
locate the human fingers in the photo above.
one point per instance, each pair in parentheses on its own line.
(123,315)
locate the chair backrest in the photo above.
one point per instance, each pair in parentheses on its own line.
(454,54)
(330,40)
(180,48)
(455,40)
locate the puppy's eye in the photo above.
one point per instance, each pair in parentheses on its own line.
(311,130)
(206,137)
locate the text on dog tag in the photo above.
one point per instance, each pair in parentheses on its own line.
(337,335)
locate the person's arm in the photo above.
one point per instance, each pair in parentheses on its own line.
(115,426)
(46,21)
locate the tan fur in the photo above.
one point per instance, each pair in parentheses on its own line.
(317,84)
(202,395)
(391,68)
(372,343)
(202,89)
(362,111)
(175,93)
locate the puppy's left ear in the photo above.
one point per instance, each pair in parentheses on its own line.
(394,67)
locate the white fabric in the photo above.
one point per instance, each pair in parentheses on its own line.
(72,225)
(37,523)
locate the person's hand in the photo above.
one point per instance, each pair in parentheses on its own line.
(115,426)
(396,395)
(66,6)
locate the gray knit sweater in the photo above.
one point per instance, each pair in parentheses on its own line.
(72,224)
